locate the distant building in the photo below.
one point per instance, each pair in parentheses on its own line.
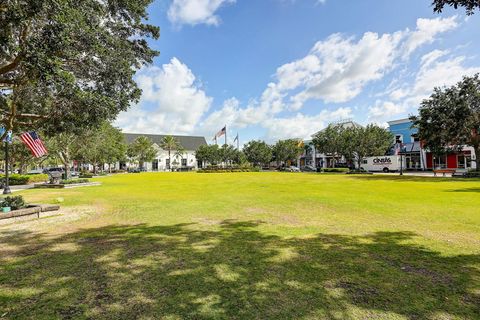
(407,144)
(187,161)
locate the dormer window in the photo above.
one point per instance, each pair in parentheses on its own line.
(398,138)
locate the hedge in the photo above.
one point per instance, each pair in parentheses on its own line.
(215,169)
(338,170)
(73,181)
(20,179)
(472,174)
(86,175)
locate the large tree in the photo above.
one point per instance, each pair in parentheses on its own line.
(450,118)
(141,150)
(329,141)
(469,5)
(208,154)
(258,152)
(287,150)
(359,142)
(70,64)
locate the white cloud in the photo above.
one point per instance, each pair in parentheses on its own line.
(302,126)
(427,30)
(195,12)
(172,101)
(337,69)
(433,72)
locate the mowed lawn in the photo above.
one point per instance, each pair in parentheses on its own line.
(247,246)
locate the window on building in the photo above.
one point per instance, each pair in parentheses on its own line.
(398,138)
(415,138)
(184,162)
(440,162)
(167,163)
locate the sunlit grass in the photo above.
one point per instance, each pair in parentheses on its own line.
(248,245)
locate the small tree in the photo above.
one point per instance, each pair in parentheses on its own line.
(141,150)
(450,118)
(258,152)
(287,150)
(170,144)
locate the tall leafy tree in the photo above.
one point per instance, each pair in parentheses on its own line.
(359,142)
(70,64)
(287,150)
(169,143)
(469,5)
(329,141)
(258,152)
(450,118)
(141,150)
(208,154)
(65,147)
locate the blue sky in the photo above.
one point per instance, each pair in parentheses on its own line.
(275,69)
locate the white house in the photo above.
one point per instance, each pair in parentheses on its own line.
(186,161)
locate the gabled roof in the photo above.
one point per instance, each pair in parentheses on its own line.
(188,142)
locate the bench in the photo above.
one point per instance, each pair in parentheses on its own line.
(444,171)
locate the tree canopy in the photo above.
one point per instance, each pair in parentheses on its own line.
(287,150)
(258,152)
(450,118)
(142,150)
(469,5)
(67,64)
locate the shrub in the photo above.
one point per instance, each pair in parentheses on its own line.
(19,179)
(118,171)
(15,202)
(336,170)
(216,169)
(473,174)
(72,181)
(86,175)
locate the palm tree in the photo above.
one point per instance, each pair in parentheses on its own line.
(169,143)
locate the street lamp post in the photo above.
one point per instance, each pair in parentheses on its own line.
(401,164)
(6,187)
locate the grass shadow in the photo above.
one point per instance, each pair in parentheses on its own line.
(404,178)
(465,190)
(233,272)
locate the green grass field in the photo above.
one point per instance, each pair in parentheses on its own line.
(247,246)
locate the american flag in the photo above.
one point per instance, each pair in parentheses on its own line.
(33,142)
(221,132)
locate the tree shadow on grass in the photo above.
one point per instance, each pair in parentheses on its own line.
(233,272)
(398,178)
(465,190)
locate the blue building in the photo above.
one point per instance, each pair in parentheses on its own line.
(407,144)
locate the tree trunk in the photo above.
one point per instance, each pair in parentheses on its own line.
(169,160)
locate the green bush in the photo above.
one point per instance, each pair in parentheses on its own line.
(216,169)
(86,175)
(72,181)
(473,174)
(19,179)
(336,170)
(15,202)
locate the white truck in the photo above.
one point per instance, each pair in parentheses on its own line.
(382,163)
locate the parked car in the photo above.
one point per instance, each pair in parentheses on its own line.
(293,169)
(35,171)
(133,170)
(309,169)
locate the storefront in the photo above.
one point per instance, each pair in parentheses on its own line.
(455,160)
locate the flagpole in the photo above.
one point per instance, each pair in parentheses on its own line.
(225,134)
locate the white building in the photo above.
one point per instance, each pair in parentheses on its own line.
(186,161)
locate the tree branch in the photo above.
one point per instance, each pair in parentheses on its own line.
(31,115)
